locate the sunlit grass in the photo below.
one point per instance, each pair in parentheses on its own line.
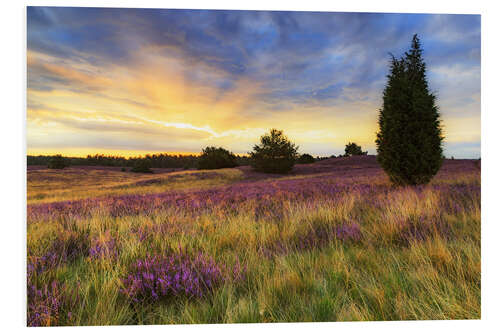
(50,186)
(429,271)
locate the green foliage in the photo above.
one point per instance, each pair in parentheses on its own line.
(57,162)
(306,159)
(409,141)
(275,154)
(216,158)
(142,166)
(352,149)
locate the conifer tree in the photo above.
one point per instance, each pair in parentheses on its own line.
(409,141)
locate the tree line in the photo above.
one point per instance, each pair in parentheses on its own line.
(162,160)
(275,154)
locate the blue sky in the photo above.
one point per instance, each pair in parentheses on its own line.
(131,81)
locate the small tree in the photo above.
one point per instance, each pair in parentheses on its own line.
(352,149)
(409,141)
(57,162)
(216,158)
(142,165)
(275,154)
(306,159)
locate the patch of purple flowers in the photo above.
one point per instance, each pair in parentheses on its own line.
(64,249)
(47,305)
(105,247)
(316,237)
(322,235)
(161,277)
(422,228)
(39,264)
(348,232)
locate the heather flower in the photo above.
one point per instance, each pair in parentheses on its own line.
(46,305)
(317,237)
(348,232)
(104,247)
(421,228)
(45,262)
(161,277)
(64,249)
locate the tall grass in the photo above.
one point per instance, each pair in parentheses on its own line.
(368,251)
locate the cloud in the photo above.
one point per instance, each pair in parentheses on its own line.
(223,77)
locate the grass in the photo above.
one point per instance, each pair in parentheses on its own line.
(417,257)
(48,185)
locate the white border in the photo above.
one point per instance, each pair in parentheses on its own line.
(13,185)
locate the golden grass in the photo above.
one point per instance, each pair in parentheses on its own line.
(376,278)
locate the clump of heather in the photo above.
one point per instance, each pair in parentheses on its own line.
(65,248)
(104,247)
(317,237)
(71,245)
(322,235)
(161,277)
(348,232)
(47,305)
(269,209)
(42,263)
(422,228)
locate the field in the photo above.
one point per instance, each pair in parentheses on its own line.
(332,241)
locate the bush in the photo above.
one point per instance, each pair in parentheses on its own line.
(409,141)
(216,158)
(142,166)
(275,154)
(306,159)
(57,162)
(352,149)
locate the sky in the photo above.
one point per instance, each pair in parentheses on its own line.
(136,81)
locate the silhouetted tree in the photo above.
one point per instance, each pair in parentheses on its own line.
(353,149)
(275,154)
(306,159)
(57,162)
(157,160)
(409,141)
(142,166)
(216,158)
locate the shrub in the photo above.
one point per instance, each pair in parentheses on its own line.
(177,275)
(306,159)
(57,162)
(275,154)
(216,158)
(142,166)
(409,141)
(50,305)
(352,149)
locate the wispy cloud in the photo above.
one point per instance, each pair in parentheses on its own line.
(176,80)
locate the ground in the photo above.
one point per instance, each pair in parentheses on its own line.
(332,241)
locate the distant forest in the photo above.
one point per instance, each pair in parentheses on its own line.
(156,160)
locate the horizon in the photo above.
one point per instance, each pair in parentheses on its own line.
(128,82)
(197,154)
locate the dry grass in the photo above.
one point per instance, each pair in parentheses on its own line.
(418,257)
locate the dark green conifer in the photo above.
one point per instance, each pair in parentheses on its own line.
(409,141)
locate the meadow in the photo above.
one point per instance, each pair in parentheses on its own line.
(331,241)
